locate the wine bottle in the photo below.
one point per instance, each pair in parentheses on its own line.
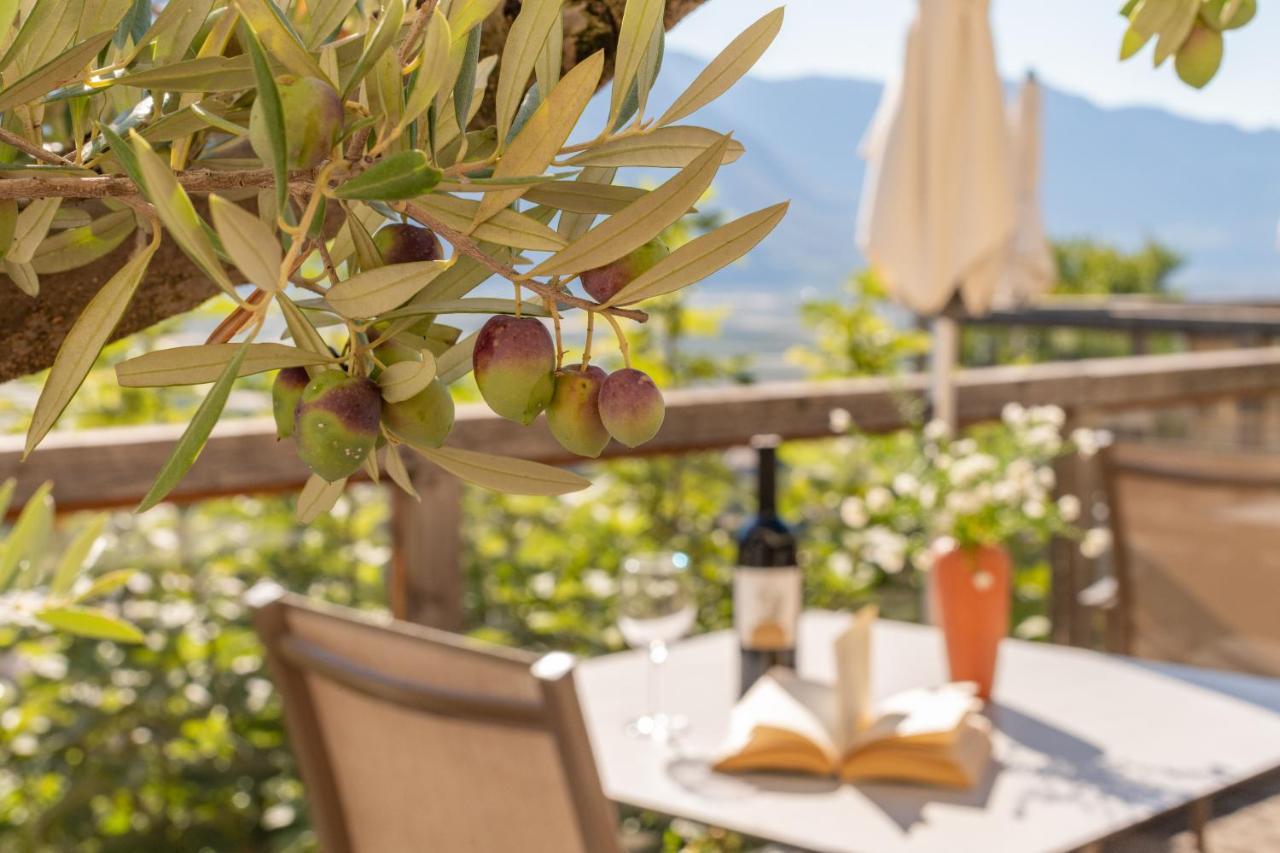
(767,585)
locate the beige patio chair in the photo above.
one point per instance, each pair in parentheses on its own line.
(411,739)
(1197,554)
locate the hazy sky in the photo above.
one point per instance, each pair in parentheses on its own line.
(1072,44)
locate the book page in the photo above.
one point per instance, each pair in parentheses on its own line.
(853,677)
(922,715)
(783,702)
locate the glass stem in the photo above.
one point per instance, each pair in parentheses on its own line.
(657,655)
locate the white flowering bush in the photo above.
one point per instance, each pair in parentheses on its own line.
(994,485)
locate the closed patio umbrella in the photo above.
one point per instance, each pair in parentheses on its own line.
(1029,271)
(937,209)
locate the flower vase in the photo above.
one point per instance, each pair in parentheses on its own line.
(969,592)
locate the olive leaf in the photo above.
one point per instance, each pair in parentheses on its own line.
(203,74)
(399,474)
(49,27)
(573,225)
(90,622)
(302,331)
(30,229)
(374,291)
(727,68)
(397,177)
(268,97)
(506,227)
(702,256)
(455,362)
(76,247)
(550,58)
(666,147)
(638,22)
(380,41)
(193,439)
(108,582)
(250,242)
(85,339)
(483,305)
(28,534)
(431,75)
(54,73)
(72,560)
(404,379)
(524,43)
(317,497)
(324,18)
(278,39)
(640,221)
(505,473)
(584,196)
(23,277)
(546,131)
(200,364)
(175,210)
(8,221)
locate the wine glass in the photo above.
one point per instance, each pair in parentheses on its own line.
(655,608)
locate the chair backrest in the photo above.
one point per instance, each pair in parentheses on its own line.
(1197,553)
(414,739)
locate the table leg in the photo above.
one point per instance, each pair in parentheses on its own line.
(1199,813)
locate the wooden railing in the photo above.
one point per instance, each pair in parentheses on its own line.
(114,467)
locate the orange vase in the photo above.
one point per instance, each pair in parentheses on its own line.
(969,594)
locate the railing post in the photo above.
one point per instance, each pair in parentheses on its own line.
(425,585)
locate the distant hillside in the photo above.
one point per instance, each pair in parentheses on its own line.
(1210,191)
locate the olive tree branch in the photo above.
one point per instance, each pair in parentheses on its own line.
(115,186)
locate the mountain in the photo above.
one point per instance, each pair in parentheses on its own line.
(1209,191)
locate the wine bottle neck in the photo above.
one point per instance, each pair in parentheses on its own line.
(767,480)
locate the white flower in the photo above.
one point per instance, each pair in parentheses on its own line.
(964,503)
(1044,438)
(886,549)
(1069,508)
(543,584)
(1013,414)
(970,468)
(1033,509)
(935,430)
(905,484)
(924,560)
(1005,491)
(853,512)
(928,495)
(964,447)
(598,583)
(839,420)
(983,580)
(1046,478)
(841,564)
(1088,441)
(1033,628)
(1095,543)
(879,499)
(1048,415)
(19,608)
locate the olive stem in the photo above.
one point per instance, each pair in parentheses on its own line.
(586,347)
(623,346)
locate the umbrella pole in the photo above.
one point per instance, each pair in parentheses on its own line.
(942,364)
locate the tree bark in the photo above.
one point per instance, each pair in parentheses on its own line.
(33,329)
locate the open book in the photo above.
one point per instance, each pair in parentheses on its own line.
(927,735)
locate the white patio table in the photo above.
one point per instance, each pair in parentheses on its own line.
(1087,745)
